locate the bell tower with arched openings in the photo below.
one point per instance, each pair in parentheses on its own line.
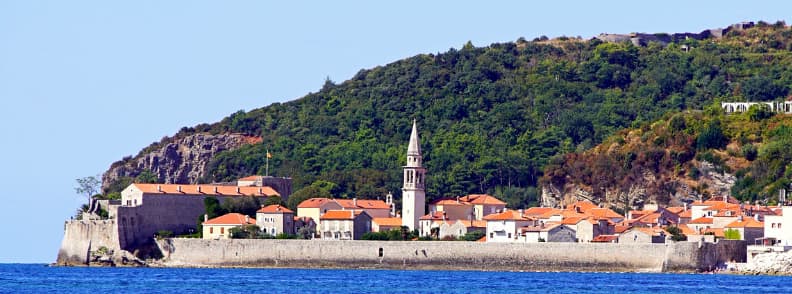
(413,189)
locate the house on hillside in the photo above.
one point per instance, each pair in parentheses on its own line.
(220,227)
(275,219)
(749,229)
(345,224)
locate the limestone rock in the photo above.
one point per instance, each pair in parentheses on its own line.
(180,161)
(771,263)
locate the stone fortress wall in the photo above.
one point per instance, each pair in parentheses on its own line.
(459,255)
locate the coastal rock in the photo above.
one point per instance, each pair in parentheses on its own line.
(182,161)
(771,263)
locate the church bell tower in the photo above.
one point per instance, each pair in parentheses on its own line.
(413,191)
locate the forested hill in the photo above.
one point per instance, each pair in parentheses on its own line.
(490,118)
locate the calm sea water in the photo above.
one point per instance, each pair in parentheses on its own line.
(36,278)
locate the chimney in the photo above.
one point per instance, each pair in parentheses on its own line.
(685,206)
(178,188)
(206,217)
(159,188)
(215,189)
(247,219)
(726,198)
(457,198)
(522,213)
(261,190)
(199,189)
(740,218)
(354,202)
(237,190)
(756,217)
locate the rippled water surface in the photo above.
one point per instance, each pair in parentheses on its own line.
(37,278)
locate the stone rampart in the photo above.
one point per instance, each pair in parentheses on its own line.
(682,256)
(81,237)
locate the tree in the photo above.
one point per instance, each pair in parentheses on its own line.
(88,186)
(146,176)
(731,234)
(676,233)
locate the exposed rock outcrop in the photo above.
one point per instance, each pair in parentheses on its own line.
(684,190)
(769,264)
(182,161)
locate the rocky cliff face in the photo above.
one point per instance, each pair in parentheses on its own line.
(182,161)
(681,190)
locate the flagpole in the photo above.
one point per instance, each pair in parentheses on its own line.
(268,156)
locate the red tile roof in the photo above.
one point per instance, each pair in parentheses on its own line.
(205,190)
(481,199)
(341,214)
(604,238)
(603,213)
(275,208)
(508,215)
(231,219)
(537,211)
(686,214)
(387,221)
(362,204)
(702,220)
(584,205)
(314,202)
(621,229)
(448,201)
(251,178)
(746,223)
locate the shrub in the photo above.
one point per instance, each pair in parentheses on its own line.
(163,234)
(750,152)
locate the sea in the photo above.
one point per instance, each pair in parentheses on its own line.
(41,278)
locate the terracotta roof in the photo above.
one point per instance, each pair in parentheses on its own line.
(702,220)
(605,238)
(686,230)
(448,201)
(746,223)
(584,205)
(563,213)
(275,208)
(231,219)
(362,204)
(572,220)
(636,214)
(508,215)
(251,178)
(481,199)
(437,215)
(722,205)
(686,214)
(341,214)
(603,212)
(717,232)
(729,213)
(620,229)
(314,202)
(537,211)
(652,218)
(387,221)
(205,190)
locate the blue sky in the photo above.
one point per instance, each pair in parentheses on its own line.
(84,83)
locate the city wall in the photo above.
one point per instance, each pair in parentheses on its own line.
(682,256)
(81,237)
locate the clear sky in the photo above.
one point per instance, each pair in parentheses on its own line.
(84,83)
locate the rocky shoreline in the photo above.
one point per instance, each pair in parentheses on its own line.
(772,263)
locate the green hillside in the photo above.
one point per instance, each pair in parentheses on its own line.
(491,118)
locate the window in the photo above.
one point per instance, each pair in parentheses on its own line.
(509,235)
(492,235)
(211,230)
(779,225)
(222,230)
(772,225)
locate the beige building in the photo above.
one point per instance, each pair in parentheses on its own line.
(587,229)
(344,224)
(384,224)
(644,235)
(749,229)
(275,219)
(219,227)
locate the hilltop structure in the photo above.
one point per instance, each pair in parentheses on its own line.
(413,189)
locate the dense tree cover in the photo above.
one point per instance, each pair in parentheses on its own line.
(491,118)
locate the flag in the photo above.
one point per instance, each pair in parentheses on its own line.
(269,155)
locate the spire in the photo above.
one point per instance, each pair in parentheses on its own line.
(415,147)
